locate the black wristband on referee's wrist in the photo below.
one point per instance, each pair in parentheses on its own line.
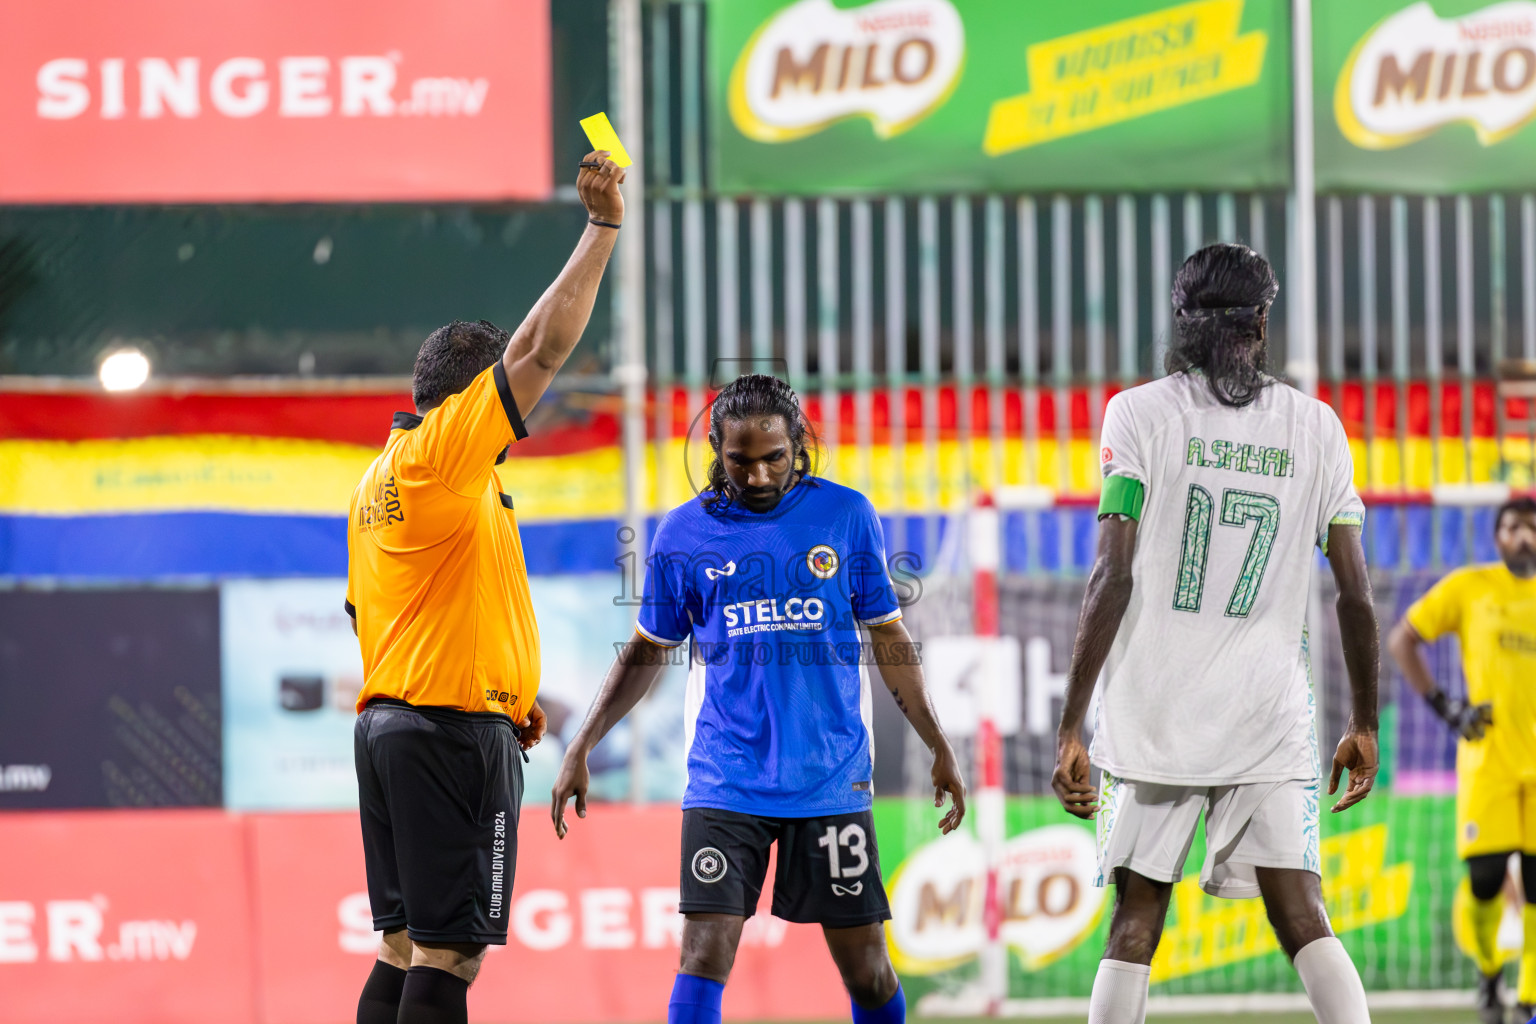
(603,223)
(1436,699)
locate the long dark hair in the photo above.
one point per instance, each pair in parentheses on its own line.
(1221,300)
(748,396)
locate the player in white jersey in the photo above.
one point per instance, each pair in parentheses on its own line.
(1219,481)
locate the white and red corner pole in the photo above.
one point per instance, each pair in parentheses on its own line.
(985,547)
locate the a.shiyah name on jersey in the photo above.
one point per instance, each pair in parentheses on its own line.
(1245,458)
(763,615)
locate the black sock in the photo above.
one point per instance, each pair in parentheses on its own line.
(380,1001)
(432,996)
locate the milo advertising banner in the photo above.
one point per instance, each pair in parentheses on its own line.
(830,96)
(1430,96)
(1390,878)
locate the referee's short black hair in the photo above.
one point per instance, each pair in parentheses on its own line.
(1523,505)
(451,357)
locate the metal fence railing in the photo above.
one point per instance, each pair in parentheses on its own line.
(960,342)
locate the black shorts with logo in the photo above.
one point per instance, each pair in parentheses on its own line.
(828,869)
(439,792)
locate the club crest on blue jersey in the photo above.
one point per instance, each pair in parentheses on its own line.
(822,561)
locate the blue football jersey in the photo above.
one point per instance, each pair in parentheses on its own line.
(778,716)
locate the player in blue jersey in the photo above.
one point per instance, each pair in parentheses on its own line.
(772,572)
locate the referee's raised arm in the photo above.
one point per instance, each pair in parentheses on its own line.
(438,590)
(542,342)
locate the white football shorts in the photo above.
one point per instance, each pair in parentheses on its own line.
(1148,827)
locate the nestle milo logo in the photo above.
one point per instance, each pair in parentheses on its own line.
(1415,72)
(892,61)
(1046,897)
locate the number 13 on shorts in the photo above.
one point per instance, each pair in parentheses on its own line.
(828,869)
(851,837)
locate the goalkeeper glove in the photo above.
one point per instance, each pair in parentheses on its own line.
(1470,721)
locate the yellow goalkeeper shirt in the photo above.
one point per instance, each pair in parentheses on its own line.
(1493,614)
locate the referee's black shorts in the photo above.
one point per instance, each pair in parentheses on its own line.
(439,792)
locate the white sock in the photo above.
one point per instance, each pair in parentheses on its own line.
(1119,993)
(1332,983)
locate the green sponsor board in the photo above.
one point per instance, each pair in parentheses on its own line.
(833,96)
(1425,97)
(1390,874)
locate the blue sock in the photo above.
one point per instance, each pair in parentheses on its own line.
(695,1000)
(893,1012)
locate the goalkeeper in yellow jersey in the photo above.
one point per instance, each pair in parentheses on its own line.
(1492,611)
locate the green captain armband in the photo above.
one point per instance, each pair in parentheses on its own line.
(1122,496)
(1346,518)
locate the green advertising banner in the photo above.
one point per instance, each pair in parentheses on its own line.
(834,96)
(1425,97)
(1390,878)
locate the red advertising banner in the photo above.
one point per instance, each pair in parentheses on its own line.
(181,917)
(275,100)
(134,916)
(593,929)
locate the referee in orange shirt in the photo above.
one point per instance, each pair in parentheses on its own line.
(438,594)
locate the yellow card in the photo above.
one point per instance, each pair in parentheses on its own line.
(602,136)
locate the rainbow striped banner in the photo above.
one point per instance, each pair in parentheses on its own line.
(165,484)
(175,484)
